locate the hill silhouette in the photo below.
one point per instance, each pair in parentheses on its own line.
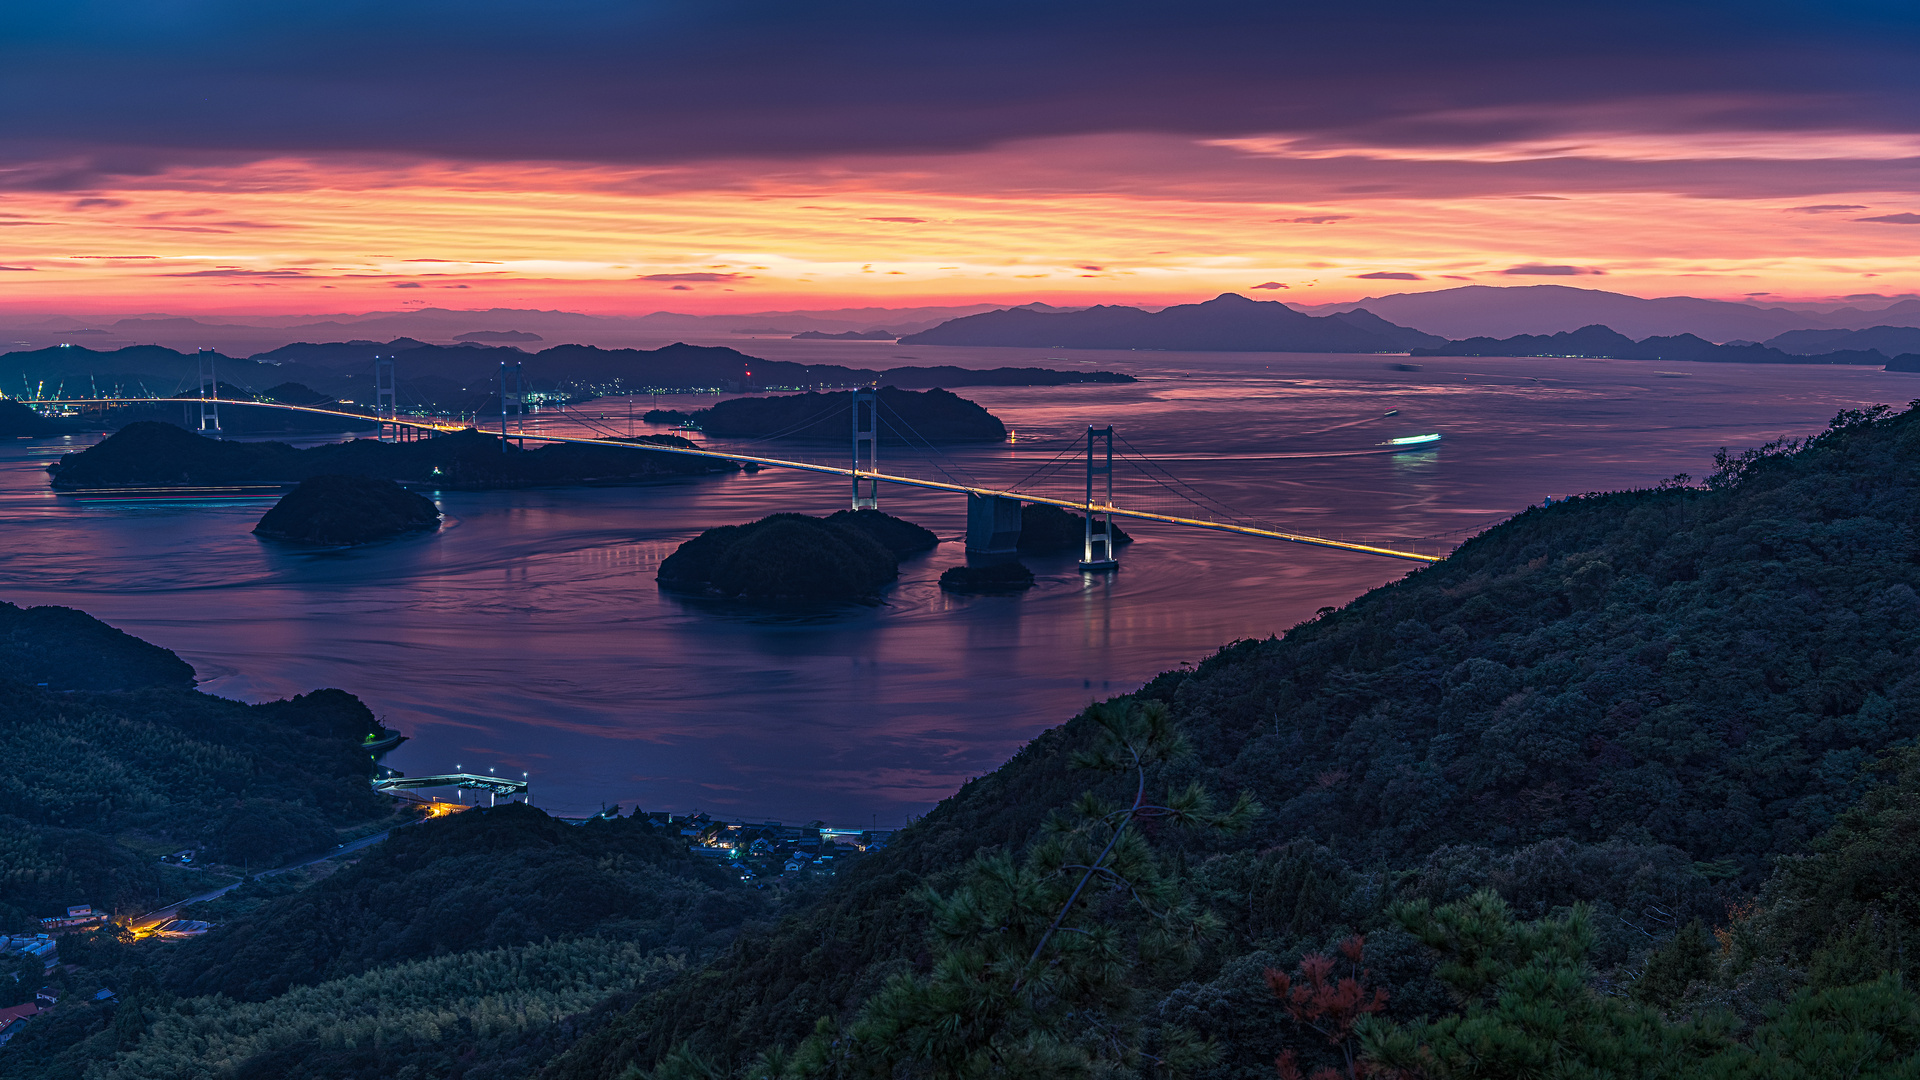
(1227,323)
(1604,341)
(1502,311)
(935,415)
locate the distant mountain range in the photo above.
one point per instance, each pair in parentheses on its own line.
(1395,322)
(464,377)
(1227,323)
(1496,311)
(1601,341)
(1892,340)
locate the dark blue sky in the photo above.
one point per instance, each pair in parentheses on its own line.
(128,81)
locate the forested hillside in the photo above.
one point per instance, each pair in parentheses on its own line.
(112,760)
(1628,704)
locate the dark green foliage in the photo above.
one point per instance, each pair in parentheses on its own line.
(482,879)
(906,416)
(1045,528)
(899,536)
(1686,959)
(335,509)
(151,452)
(993,578)
(1851,903)
(1034,962)
(71,650)
(20,978)
(254,783)
(782,557)
(1707,670)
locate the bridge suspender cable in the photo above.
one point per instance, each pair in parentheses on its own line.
(871,476)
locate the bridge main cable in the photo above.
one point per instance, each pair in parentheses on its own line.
(808,466)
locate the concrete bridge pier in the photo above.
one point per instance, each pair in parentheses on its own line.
(993,525)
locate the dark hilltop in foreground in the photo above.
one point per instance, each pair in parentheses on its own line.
(1625,787)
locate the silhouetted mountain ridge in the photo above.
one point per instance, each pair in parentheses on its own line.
(1602,341)
(1227,323)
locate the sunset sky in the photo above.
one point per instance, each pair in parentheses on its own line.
(206,156)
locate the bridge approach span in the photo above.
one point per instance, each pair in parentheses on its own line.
(1083,506)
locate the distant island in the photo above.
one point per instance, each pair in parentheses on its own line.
(846,335)
(341,509)
(156,454)
(936,416)
(850,556)
(1602,341)
(1227,323)
(498,335)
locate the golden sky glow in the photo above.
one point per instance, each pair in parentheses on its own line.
(1129,219)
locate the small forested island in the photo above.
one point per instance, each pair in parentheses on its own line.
(846,335)
(1003,577)
(849,556)
(908,416)
(152,453)
(341,509)
(1046,529)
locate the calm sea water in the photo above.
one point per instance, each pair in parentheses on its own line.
(529,636)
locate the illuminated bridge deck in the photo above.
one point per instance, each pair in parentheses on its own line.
(441,427)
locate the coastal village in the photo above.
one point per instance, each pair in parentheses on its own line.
(765,854)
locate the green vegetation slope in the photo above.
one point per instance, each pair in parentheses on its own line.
(1631,701)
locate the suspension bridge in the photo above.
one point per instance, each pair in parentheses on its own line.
(993,513)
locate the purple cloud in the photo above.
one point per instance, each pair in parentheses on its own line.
(234,272)
(1270,285)
(1822,208)
(700,276)
(1317,219)
(1538,270)
(1894,219)
(1389,275)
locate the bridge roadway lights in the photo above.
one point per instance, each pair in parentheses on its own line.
(993,525)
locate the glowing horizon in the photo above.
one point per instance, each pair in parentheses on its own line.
(1171,221)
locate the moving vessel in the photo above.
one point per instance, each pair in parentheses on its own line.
(1412,442)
